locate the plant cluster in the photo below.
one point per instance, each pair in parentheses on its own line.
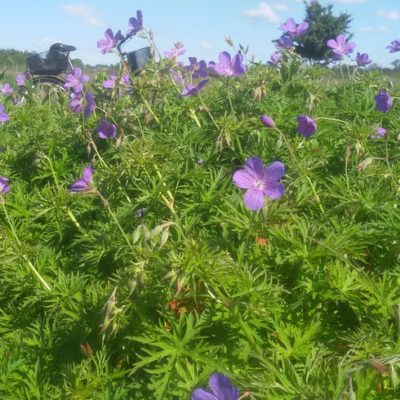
(134,266)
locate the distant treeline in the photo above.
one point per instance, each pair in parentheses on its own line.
(15,60)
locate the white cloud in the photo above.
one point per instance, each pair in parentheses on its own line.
(266,11)
(394,15)
(205,45)
(87,14)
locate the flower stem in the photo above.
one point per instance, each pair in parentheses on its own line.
(208,111)
(113,216)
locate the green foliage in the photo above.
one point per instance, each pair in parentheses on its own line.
(144,287)
(323,25)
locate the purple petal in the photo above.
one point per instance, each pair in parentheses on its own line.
(222,387)
(274,171)
(225,60)
(79,186)
(254,199)
(274,190)
(255,167)
(201,394)
(88,174)
(332,43)
(242,179)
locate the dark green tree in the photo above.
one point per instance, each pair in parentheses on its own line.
(323,26)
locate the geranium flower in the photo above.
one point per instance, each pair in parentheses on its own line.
(380,133)
(284,42)
(85,183)
(106,130)
(267,121)
(194,90)
(260,181)
(125,80)
(110,82)
(228,67)
(111,40)
(3,116)
(275,58)
(293,29)
(340,47)
(383,101)
(4,185)
(76,80)
(76,103)
(174,53)
(5,89)
(90,104)
(197,69)
(306,125)
(221,389)
(362,59)
(20,79)
(135,24)
(394,46)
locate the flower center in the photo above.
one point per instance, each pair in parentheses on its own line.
(259,185)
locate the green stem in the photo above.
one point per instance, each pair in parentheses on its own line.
(107,205)
(208,111)
(146,103)
(315,194)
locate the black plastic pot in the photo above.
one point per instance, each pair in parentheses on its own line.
(139,58)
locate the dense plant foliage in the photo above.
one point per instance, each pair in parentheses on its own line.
(131,267)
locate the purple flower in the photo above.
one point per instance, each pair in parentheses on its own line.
(228,67)
(90,104)
(75,105)
(84,184)
(110,82)
(174,53)
(362,59)
(111,40)
(3,116)
(267,121)
(293,29)
(125,80)
(394,46)
(4,185)
(260,181)
(340,47)
(76,80)
(106,130)
(306,126)
(383,101)
(221,389)
(275,58)
(194,90)
(380,133)
(197,69)
(135,24)
(5,89)
(20,79)
(284,42)
(139,212)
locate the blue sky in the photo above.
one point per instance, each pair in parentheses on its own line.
(200,25)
